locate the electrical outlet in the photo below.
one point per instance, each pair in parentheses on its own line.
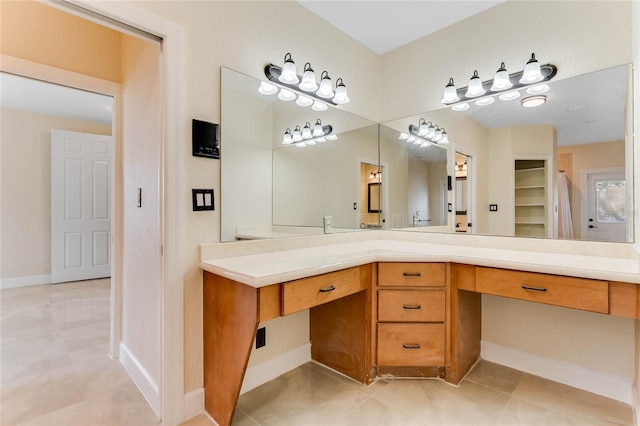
(396,221)
(493,207)
(328,224)
(261,337)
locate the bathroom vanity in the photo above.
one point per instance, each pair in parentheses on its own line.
(381,305)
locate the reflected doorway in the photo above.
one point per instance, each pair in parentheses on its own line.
(605,218)
(370,189)
(463,193)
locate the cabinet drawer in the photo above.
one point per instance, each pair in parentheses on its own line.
(411,274)
(578,293)
(411,306)
(410,345)
(309,292)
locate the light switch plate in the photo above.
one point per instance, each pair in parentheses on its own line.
(202,199)
(328,224)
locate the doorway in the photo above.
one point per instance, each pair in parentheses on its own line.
(605,213)
(463,193)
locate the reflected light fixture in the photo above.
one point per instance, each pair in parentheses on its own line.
(538,90)
(533,101)
(425,134)
(375,175)
(286,78)
(286,95)
(319,106)
(533,73)
(307,136)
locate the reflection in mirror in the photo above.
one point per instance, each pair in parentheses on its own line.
(270,189)
(546,171)
(417,182)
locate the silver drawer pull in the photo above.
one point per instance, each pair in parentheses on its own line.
(411,345)
(412,274)
(411,306)
(526,287)
(328,289)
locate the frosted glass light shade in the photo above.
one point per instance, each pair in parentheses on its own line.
(485,101)
(438,135)
(288,74)
(403,136)
(326,88)
(432,132)
(308,83)
(310,142)
(538,90)
(319,106)
(425,144)
(304,101)
(287,140)
(531,73)
(297,135)
(286,95)
(267,88)
(445,138)
(509,96)
(341,93)
(450,94)
(475,88)
(306,131)
(501,80)
(423,128)
(317,129)
(321,139)
(301,145)
(332,137)
(460,107)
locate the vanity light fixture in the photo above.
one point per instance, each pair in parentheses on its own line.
(308,89)
(425,134)
(307,136)
(375,175)
(533,101)
(533,73)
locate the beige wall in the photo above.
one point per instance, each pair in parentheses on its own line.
(25,143)
(142,226)
(590,156)
(39,33)
(245,36)
(573,40)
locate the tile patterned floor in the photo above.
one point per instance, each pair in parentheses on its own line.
(490,395)
(54,363)
(55,371)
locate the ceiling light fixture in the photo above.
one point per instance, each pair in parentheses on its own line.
(287,77)
(307,136)
(533,101)
(533,73)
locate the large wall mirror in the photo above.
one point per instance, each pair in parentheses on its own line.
(561,170)
(270,189)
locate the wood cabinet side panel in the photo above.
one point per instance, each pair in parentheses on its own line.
(623,299)
(229,328)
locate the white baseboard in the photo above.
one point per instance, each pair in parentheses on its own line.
(148,387)
(614,387)
(259,374)
(25,281)
(193,404)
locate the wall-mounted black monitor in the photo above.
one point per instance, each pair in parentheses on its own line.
(205,139)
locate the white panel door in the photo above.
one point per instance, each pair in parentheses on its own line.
(80,206)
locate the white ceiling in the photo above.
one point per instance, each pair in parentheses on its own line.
(26,94)
(385,25)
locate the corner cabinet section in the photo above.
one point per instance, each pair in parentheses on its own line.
(410,323)
(531,199)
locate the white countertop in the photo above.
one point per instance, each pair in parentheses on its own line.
(258,270)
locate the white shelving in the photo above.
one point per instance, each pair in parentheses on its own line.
(530,198)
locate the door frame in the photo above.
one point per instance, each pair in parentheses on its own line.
(172,174)
(584,205)
(34,70)
(472,196)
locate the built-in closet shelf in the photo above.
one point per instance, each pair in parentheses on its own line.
(530,187)
(530,182)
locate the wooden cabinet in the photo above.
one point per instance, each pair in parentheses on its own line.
(578,293)
(411,314)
